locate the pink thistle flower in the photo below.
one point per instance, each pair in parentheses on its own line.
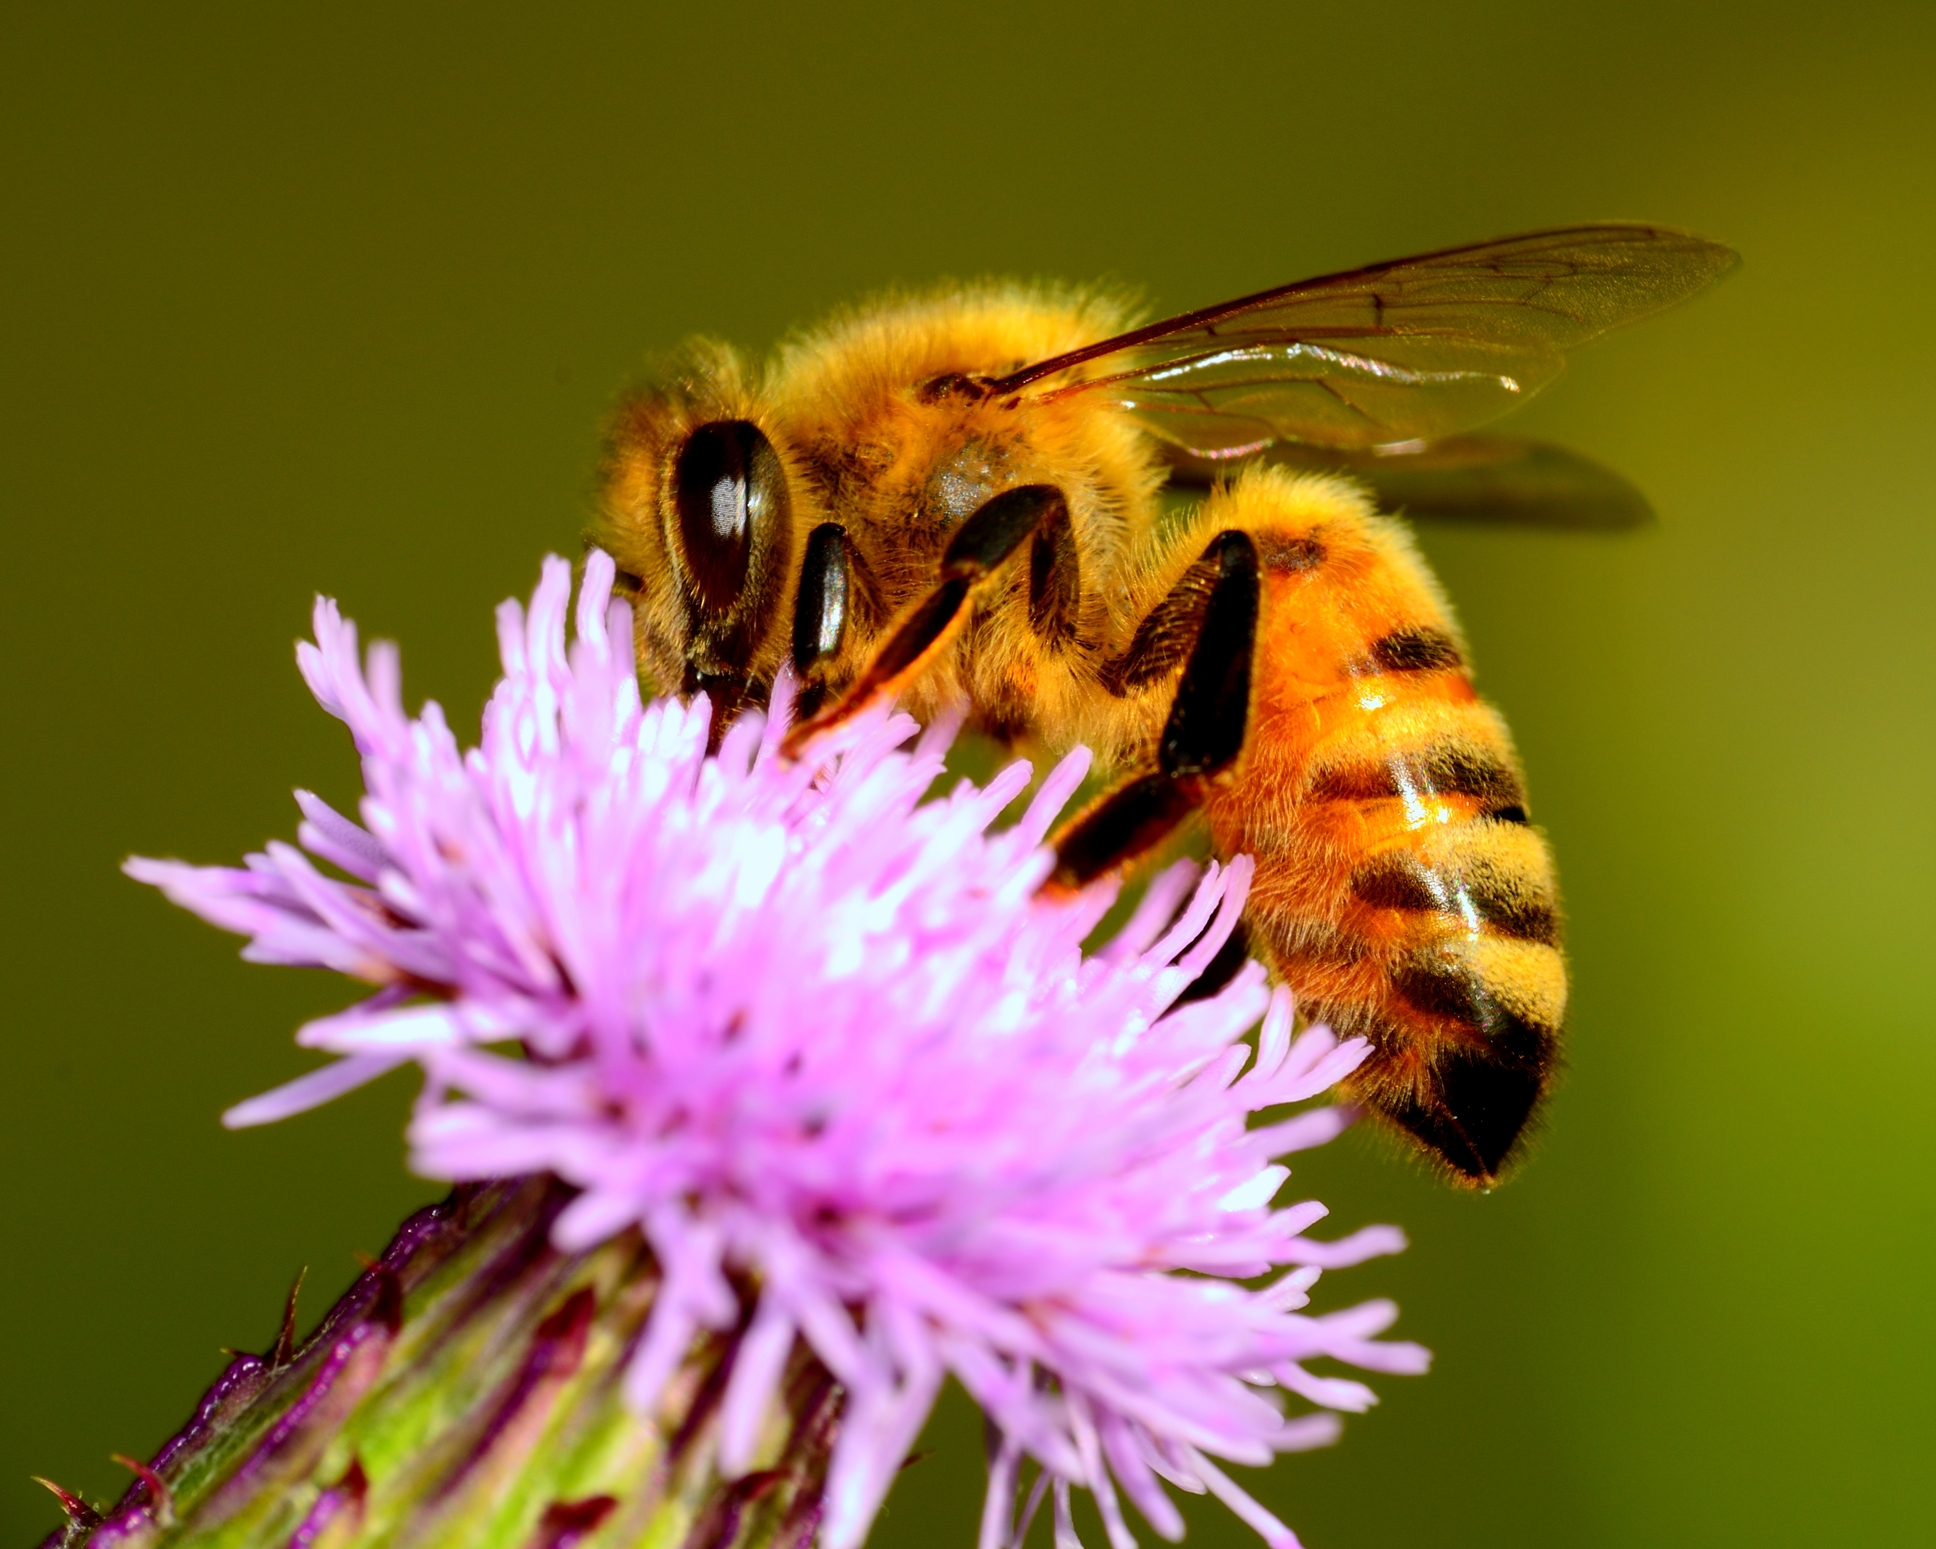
(816,1036)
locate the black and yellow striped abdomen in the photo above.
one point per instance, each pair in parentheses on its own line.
(1400,889)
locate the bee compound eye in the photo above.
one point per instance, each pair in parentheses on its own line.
(728,490)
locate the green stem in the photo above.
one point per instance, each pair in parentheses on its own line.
(465,1394)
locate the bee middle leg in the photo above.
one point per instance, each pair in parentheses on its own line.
(1216,603)
(992,535)
(1217,599)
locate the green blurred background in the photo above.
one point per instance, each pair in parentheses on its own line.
(334,299)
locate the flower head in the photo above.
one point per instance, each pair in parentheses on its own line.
(825,1045)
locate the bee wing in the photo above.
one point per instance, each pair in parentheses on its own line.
(1493,479)
(1414,349)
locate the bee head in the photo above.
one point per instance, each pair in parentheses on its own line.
(698,513)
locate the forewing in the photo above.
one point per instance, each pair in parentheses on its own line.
(1239,398)
(1416,349)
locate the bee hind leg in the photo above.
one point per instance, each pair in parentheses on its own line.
(1203,736)
(979,547)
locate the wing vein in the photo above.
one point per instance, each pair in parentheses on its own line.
(1412,349)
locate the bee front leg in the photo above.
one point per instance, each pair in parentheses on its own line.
(978,549)
(1206,727)
(821,610)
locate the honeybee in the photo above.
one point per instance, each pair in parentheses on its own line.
(959,498)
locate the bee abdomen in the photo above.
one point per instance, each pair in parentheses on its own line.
(1466,1014)
(1433,930)
(1401,891)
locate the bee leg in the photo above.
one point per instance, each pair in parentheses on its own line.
(979,547)
(1055,577)
(1201,739)
(1117,827)
(728,693)
(820,613)
(1219,971)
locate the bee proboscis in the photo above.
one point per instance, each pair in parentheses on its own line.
(959,498)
